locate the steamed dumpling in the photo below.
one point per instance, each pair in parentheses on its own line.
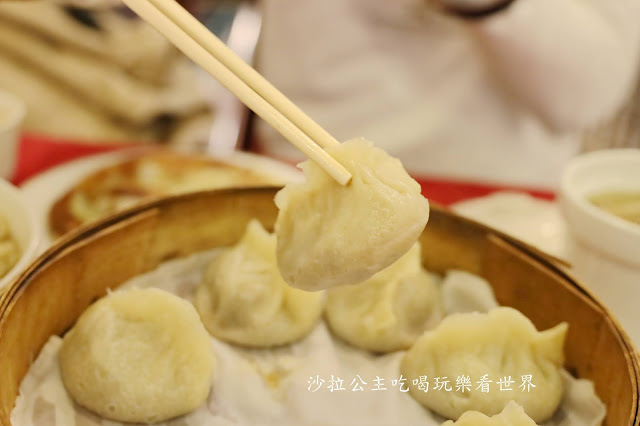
(500,344)
(390,310)
(465,292)
(138,356)
(243,299)
(512,415)
(331,235)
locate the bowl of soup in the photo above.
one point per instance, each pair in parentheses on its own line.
(600,199)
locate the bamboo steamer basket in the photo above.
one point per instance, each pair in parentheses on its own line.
(50,295)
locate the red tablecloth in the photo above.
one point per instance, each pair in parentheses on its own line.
(37,154)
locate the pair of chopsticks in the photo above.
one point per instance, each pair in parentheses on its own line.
(205,49)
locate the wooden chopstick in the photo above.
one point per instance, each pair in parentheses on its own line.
(270,112)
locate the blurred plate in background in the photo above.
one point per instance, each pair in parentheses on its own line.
(43,190)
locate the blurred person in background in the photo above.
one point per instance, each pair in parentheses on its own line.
(621,131)
(493,91)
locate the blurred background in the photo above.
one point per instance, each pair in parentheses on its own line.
(103,76)
(443,93)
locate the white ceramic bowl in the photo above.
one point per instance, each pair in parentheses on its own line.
(23,225)
(12,112)
(604,249)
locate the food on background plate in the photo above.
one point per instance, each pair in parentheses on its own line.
(139,179)
(331,235)
(9,249)
(244,300)
(512,415)
(623,204)
(390,310)
(500,345)
(140,355)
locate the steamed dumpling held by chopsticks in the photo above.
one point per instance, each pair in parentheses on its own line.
(331,235)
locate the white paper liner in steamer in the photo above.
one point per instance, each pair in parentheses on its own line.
(270,387)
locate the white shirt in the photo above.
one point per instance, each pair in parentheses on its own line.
(499,100)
